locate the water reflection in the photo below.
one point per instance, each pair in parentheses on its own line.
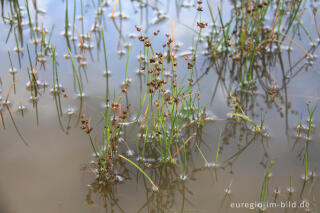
(268,95)
(177,195)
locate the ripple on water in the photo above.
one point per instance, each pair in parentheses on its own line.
(81,95)
(6,103)
(290,190)
(22,108)
(277,191)
(107,73)
(228,191)
(183,177)
(12,71)
(70,111)
(119,178)
(139,72)
(130,153)
(121,52)
(132,35)
(34,99)
(304,177)
(29,84)
(213,165)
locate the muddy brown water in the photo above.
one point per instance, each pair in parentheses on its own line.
(54,173)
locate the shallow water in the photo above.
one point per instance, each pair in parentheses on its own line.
(54,174)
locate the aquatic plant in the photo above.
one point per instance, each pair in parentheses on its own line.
(154,187)
(290,189)
(218,150)
(299,126)
(6,104)
(264,188)
(247,39)
(169,108)
(238,112)
(306,150)
(311,113)
(169,117)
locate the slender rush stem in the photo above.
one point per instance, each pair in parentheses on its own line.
(155,188)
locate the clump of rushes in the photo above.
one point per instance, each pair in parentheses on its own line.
(169,105)
(245,38)
(106,152)
(104,171)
